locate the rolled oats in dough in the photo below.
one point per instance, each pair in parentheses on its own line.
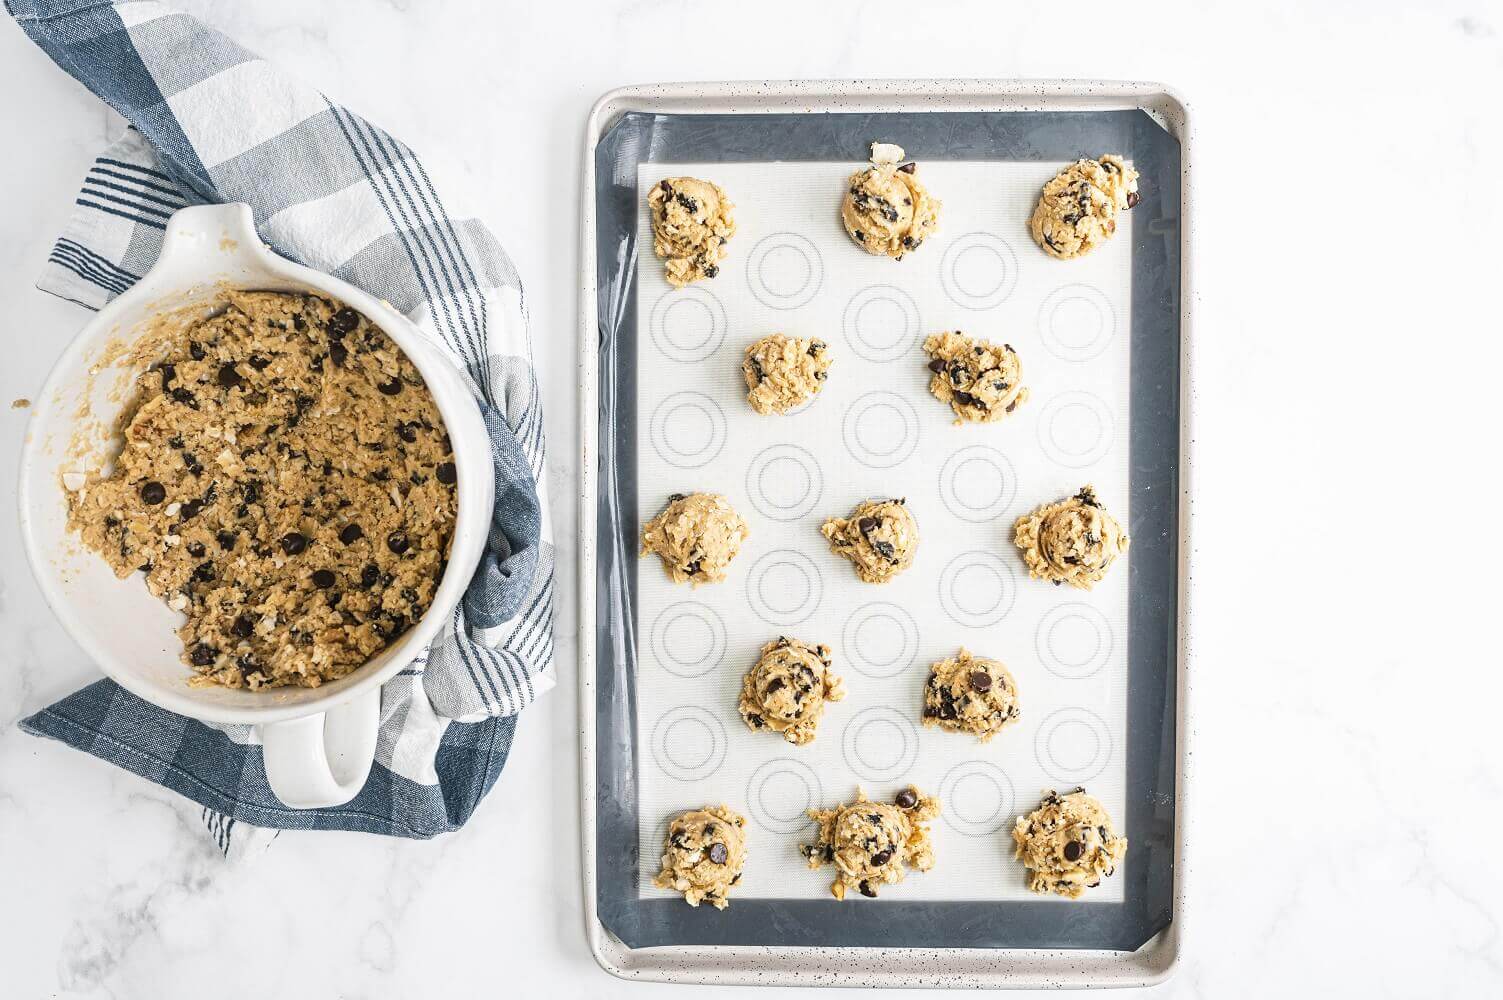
(1079,206)
(886,209)
(697,535)
(1074,541)
(873,843)
(786,690)
(970,694)
(691,222)
(879,538)
(1068,844)
(703,854)
(784,372)
(980,380)
(286,482)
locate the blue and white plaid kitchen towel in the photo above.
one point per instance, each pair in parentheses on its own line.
(213,123)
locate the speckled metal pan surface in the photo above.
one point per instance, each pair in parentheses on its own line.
(997,940)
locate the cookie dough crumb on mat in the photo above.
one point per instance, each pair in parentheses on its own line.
(784,372)
(786,690)
(1073,541)
(981,381)
(287,483)
(879,538)
(886,209)
(970,694)
(691,222)
(697,535)
(703,854)
(873,843)
(1068,844)
(1078,209)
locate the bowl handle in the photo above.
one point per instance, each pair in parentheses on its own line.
(222,235)
(323,760)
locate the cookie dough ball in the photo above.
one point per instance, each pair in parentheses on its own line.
(873,843)
(1078,209)
(691,221)
(879,538)
(787,689)
(697,536)
(886,210)
(703,855)
(970,694)
(1068,844)
(980,380)
(784,372)
(1074,541)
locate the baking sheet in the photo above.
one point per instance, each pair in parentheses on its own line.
(620,751)
(875,431)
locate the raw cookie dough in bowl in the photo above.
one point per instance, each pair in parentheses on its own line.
(1073,541)
(787,689)
(970,694)
(880,538)
(886,210)
(287,483)
(873,843)
(691,222)
(704,852)
(1078,209)
(100,385)
(696,536)
(1068,844)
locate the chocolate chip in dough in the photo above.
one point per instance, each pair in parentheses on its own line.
(390,388)
(1072,851)
(867,890)
(981,681)
(906,799)
(446,473)
(243,626)
(323,579)
(881,858)
(203,655)
(369,575)
(343,322)
(153,493)
(397,542)
(718,853)
(228,377)
(293,543)
(351,533)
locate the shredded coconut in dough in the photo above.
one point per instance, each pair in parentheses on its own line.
(1068,844)
(286,483)
(886,210)
(703,854)
(786,690)
(697,535)
(691,222)
(1074,541)
(784,372)
(980,380)
(873,843)
(1078,210)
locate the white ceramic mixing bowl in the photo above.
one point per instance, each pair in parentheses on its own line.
(319,742)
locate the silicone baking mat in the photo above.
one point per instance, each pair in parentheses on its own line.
(1098,339)
(875,431)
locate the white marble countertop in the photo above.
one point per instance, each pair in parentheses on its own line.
(1347,683)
